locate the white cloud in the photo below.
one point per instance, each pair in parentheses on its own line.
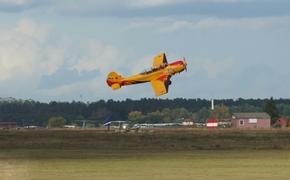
(241,23)
(92,7)
(177,26)
(67,91)
(114,3)
(167,24)
(21,50)
(141,64)
(32,30)
(99,57)
(116,7)
(152,3)
(155,3)
(15,2)
(27,53)
(22,5)
(214,68)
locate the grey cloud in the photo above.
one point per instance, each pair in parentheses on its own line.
(260,80)
(209,8)
(65,77)
(252,81)
(127,8)
(14,6)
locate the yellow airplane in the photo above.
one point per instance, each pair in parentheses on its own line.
(159,75)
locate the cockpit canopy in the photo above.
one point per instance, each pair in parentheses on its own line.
(150,70)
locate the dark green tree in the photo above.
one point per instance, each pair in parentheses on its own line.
(135,117)
(221,112)
(202,115)
(284,109)
(29,112)
(56,122)
(272,110)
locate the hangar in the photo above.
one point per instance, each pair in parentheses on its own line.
(8,125)
(251,120)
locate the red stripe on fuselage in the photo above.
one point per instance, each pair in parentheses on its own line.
(110,83)
(176,63)
(122,83)
(163,78)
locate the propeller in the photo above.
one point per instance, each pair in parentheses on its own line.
(185,64)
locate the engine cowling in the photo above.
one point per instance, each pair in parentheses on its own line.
(115,86)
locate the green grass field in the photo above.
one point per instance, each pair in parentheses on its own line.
(162,154)
(200,165)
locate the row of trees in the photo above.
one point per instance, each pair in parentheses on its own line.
(178,115)
(31,112)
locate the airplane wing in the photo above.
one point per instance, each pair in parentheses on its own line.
(159,60)
(160,87)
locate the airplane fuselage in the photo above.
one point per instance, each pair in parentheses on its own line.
(161,73)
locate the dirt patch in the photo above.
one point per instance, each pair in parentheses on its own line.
(153,140)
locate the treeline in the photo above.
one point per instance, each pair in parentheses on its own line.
(29,112)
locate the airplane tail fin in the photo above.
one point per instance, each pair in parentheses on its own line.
(114,80)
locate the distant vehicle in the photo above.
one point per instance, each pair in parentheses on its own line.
(31,127)
(70,126)
(159,75)
(116,124)
(156,125)
(199,125)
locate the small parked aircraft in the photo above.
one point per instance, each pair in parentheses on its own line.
(159,75)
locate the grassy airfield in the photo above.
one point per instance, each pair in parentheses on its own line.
(162,154)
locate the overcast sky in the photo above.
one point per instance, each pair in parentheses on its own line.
(63,49)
